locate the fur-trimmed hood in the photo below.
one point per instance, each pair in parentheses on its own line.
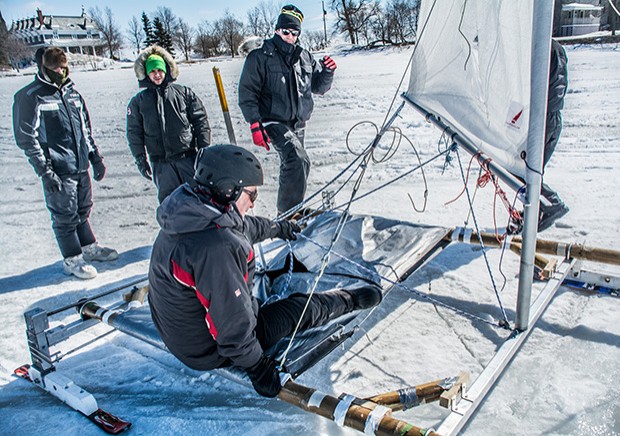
(249,44)
(139,65)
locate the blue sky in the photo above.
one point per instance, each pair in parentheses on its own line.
(191,11)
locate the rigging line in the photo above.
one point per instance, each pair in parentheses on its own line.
(464,37)
(484,252)
(389,182)
(505,244)
(87,343)
(611,3)
(423,178)
(465,181)
(299,206)
(415,47)
(403,286)
(337,232)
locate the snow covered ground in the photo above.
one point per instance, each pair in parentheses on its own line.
(563,381)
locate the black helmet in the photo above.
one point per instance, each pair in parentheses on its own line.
(225,169)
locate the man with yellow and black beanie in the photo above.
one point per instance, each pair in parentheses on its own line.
(275,97)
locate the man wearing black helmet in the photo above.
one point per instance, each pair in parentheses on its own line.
(202,268)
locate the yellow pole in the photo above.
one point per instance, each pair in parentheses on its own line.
(224,104)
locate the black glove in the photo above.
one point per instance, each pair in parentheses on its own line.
(286,230)
(51,182)
(265,377)
(98,167)
(144,167)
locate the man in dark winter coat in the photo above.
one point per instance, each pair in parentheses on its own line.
(558,83)
(52,126)
(202,268)
(275,96)
(167,121)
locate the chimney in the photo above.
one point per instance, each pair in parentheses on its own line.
(40,17)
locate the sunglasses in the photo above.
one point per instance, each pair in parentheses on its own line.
(252,194)
(287,32)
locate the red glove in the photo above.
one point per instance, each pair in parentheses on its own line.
(328,63)
(259,135)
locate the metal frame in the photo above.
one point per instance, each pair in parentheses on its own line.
(475,394)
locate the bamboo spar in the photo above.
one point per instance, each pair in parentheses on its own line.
(555,248)
(224,104)
(355,415)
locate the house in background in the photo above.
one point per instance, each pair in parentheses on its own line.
(74,34)
(580,19)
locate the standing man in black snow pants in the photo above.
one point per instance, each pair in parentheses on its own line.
(275,97)
(52,126)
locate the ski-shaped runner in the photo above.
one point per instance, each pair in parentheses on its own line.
(102,419)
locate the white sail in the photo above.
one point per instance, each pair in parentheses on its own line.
(471,67)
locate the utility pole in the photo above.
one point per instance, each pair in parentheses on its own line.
(324,22)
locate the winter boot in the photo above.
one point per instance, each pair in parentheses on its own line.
(95,252)
(550,214)
(78,267)
(343,301)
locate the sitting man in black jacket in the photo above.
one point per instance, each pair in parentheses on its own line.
(275,97)
(166,120)
(202,268)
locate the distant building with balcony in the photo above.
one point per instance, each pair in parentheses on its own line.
(580,19)
(73,34)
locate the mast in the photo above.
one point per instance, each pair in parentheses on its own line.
(541,49)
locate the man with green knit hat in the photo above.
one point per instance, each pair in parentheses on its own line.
(166,122)
(155,62)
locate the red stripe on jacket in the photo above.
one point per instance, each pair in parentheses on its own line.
(187,279)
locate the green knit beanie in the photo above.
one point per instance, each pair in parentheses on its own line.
(155,62)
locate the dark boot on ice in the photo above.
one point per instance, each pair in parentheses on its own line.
(343,301)
(550,214)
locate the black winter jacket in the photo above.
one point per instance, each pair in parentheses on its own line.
(200,276)
(558,78)
(52,126)
(166,120)
(277,83)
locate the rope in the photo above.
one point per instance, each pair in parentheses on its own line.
(613,6)
(484,252)
(401,285)
(326,256)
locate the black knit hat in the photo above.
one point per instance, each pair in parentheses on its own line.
(290,18)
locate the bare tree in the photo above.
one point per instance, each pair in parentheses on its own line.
(314,40)
(231,31)
(108,27)
(168,19)
(262,18)
(185,38)
(207,41)
(354,16)
(401,18)
(17,52)
(135,34)
(4,36)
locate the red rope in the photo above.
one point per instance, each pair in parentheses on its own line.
(482,181)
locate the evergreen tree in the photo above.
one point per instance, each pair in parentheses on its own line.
(162,37)
(149,38)
(4,49)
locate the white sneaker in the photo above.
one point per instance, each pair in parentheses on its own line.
(95,252)
(78,267)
